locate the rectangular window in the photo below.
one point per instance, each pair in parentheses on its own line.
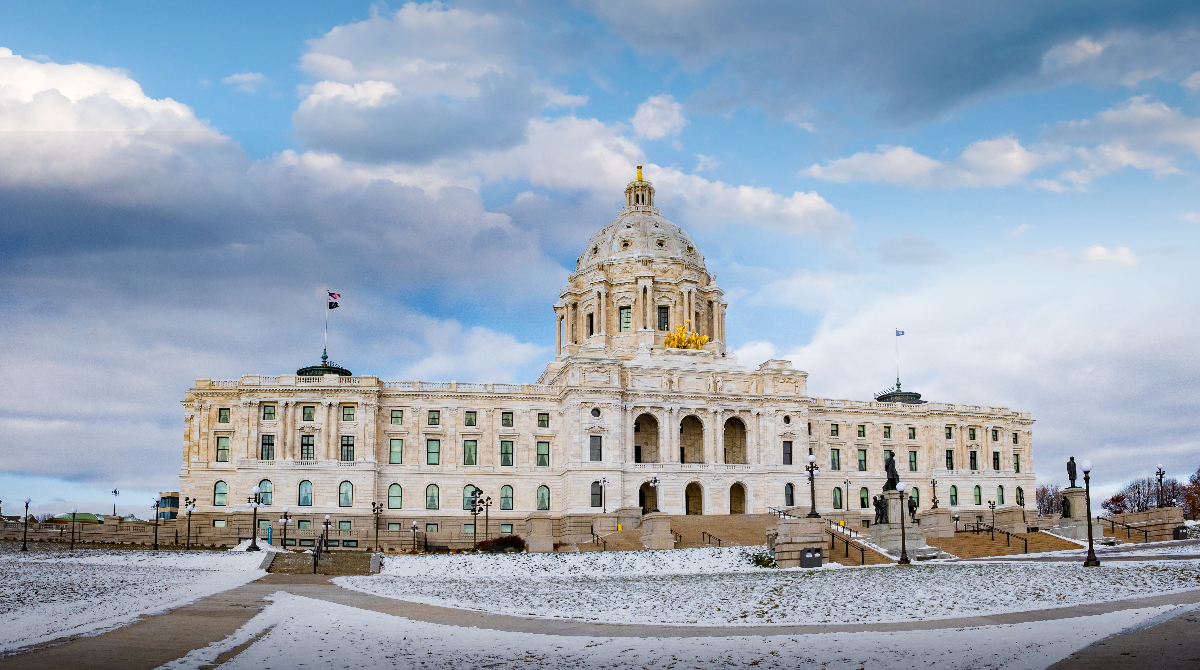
(810,428)
(268,413)
(974,460)
(506,529)
(1016,463)
(949,459)
(397,417)
(949,433)
(543,420)
(787,452)
(350,543)
(543,454)
(862,431)
(469,419)
(307,447)
(625,316)
(506,419)
(912,461)
(970,433)
(431,528)
(395,450)
(333,543)
(1015,440)
(343,525)
(347,448)
(267,450)
(506,452)
(833,430)
(222,449)
(433,452)
(469,452)
(862,460)
(469,528)
(304,525)
(995,436)
(835,459)
(435,417)
(912,433)
(591,323)
(664,317)
(223,415)
(308,413)
(218,523)
(995,460)
(393,526)
(887,432)
(596,448)
(347,412)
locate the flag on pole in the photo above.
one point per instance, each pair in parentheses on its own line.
(898,332)
(334,297)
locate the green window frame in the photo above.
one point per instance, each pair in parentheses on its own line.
(833,430)
(468,494)
(308,413)
(220,494)
(223,415)
(506,419)
(345,494)
(543,454)
(395,450)
(345,525)
(996,460)
(347,412)
(970,433)
(953,495)
(395,497)
(978,496)
(397,417)
(506,452)
(974,460)
(1020,497)
(625,318)
(664,317)
(433,452)
(835,460)
(949,459)
(949,432)
(222,449)
(543,419)
(304,496)
(432,500)
(915,494)
(864,498)
(431,527)
(268,412)
(506,497)
(470,452)
(266,449)
(912,433)
(506,529)
(995,435)
(837,497)
(999,495)
(1017,463)
(470,418)
(912,461)
(434,417)
(887,432)
(862,430)
(862,460)
(308,447)
(543,498)
(347,448)
(1016,439)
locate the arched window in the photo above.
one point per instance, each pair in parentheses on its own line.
(915,494)
(953,495)
(506,497)
(1020,497)
(220,493)
(597,495)
(789,495)
(432,497)
(346,495)
(978,496)
(266,491)
(837,497)
(395,496)
(864,498)
(999,495)
(305,499)
(468,493)
(543,498)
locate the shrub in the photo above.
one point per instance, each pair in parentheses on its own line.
(761,559)
(503,542)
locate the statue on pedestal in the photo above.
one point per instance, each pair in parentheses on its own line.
(1066,508)
(893,477)
(881,509)
(912,510)
(1071,472)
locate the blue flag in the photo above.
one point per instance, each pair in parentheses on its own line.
(899,333)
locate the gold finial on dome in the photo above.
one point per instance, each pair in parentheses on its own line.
(640,173)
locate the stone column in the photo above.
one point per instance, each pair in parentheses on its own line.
(668,450)
(369,429)
(557,333)
(330,430)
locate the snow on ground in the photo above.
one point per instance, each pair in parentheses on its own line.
(53,592)
(316,633)
(718,587)
(244,545)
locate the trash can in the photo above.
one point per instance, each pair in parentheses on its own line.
(1180,533)
(811,558)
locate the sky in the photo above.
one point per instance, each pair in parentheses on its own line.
(1014,186)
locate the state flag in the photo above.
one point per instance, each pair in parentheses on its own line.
(333,298)
(899,333)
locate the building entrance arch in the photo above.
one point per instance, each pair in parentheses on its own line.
(735,441)
(693,499)
(648,498)
(737,499)
(691,440)
(645,439)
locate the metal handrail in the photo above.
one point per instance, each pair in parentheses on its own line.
(978,528)
(781,512)
(843,528)
(862,551)
(708,537)
(1145,533)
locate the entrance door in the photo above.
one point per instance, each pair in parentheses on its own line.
(737,499)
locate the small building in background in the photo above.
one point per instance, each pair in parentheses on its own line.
(168,505)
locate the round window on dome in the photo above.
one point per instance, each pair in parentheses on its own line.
(596,412)
(624,244)
(662,243)
(787,419)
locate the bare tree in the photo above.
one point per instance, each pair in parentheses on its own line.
(1191,496)
(1049,499)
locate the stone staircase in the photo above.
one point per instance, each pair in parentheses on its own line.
(332,563)
(838,552)
(734,530)
(971,545)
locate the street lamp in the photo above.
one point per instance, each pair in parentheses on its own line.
(253,502)
(75,510)
(900,486)
(846,500)
(25,533)
(603,502)
(954,515)
(115,494)
(154,509)
(1091,561)
(414,532)
(654,484)
(992,506)
(1160,474)
(934,500)
(376,509)
(284,521)
(328,527)
(813,471)
(189,506)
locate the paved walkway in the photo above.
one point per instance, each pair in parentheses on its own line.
(158,639)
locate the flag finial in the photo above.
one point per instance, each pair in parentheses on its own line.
(640,174)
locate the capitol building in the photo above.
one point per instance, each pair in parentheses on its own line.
(629,417)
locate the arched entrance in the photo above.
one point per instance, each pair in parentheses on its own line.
(648,498)
(691,440)
(737,499)
(735,441)
(645,439)
(693,498)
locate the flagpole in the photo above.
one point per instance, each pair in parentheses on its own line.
(897,338)
(325,351)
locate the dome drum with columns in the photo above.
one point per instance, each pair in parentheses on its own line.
(619,424)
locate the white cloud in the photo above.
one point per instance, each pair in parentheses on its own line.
(658,116)
(246,82)
(754,354)
(1119,256)
(910,249)
(1192,82)
(474,354)
(1071,55)
(1192,217)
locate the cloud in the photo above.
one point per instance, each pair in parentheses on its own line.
(1192,82)
(658,116)
(246,82)
(1119,256)
(1192,217)
(910,249)
(754,354)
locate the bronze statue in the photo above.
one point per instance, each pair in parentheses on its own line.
(1071,471)
(881,511)
(1066,508)
(893,477)
(912,509)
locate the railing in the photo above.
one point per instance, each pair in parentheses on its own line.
(843,528)
(978,528)
(1128,528)
(708,538)
(781,513)
(225,383)
(310,380)
(268,380)
(862,551)
(397,385)
(678,537)
(306,463)
(349,381)
(471,386)
(432,386)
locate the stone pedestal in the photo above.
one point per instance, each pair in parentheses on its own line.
(1011,519)
(656,531)
(900,531)
(796,535)
(539,533)
(936,522)
(1074,524)
(1076,498)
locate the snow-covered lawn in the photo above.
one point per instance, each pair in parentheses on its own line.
(720,587)
(51,593)
(316,633)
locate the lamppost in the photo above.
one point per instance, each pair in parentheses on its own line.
(189,506)
(328,527)
(846,500)
(25,533)
(1160,474)
(253,502)
(954,514)
(75,510)
(284,521)
(903,541)
(154,509)
(933,484)
(414,532)
(376,509)
(813,471)
(603,501)
(476,508)
(115,494)
(1091,561)
(992,506)
(487,515)
(654,484)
